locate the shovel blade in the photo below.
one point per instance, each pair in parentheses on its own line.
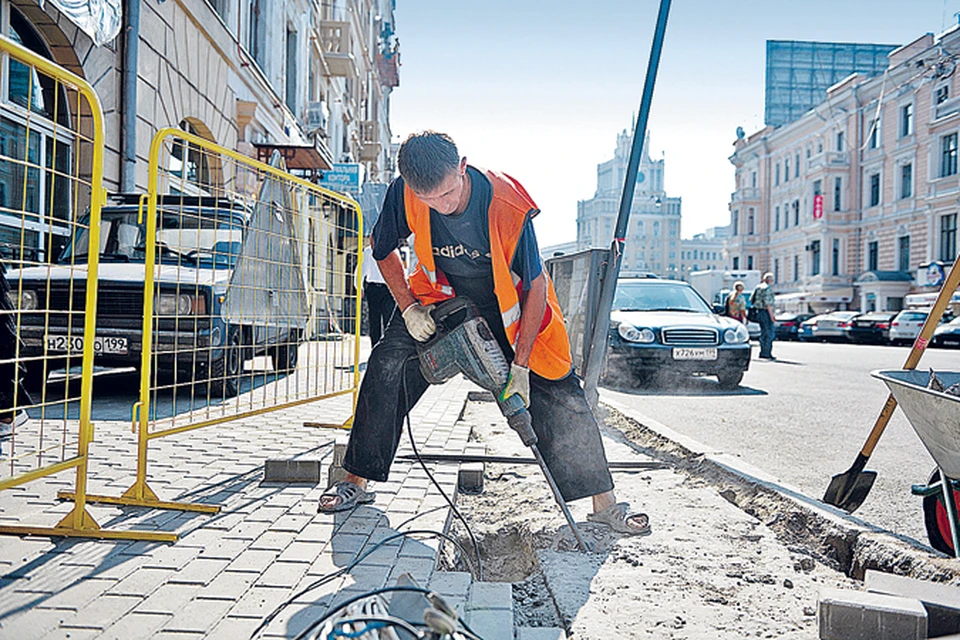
(848,490)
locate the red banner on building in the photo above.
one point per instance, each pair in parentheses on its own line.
(817,207)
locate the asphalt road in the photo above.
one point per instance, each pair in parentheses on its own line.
(804,417)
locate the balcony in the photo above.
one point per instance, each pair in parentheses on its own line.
(370,141)
(336,49)
(830,160)
(749,193)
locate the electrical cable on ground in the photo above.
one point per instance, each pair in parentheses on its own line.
(413,444)
(362,555)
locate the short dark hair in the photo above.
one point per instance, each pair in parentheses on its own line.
(426,158)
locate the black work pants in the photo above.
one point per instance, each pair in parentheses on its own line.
(569,436)
(380,306)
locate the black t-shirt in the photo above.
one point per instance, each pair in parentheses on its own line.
(461,246)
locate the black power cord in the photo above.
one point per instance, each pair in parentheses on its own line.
(423,464)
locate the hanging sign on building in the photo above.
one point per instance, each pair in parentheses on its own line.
(817,206)
(343,177)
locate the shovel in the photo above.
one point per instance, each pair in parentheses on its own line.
(849,489)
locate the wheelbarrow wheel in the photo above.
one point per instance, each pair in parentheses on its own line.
(935,517)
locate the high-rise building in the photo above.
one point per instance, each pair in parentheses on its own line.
(652,240)
(799,73)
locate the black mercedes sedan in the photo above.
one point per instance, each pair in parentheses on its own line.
(663,327)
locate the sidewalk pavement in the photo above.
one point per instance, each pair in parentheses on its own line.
(231,570)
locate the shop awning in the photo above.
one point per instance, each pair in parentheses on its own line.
(314,157)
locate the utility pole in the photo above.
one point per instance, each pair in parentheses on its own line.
(611,272)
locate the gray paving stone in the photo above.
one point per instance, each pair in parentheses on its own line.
(103,612)
(225,549)
(451,583)
(294,619)
(419,568)
(198,616)
(316,532)
(77,595)
(141,582)
(199,572)
(34,624)
(168,599)
(540,633)
(491,595)
(294,523)
(71,634)
(229,585)
(283,574)
(259,602)
(491,624)
(253,560)
(247,530)
(302,551)
(135,626)
(274,540)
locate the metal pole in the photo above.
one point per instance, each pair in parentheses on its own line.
(598,344)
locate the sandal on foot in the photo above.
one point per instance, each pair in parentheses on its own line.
(350,496)
(618,517)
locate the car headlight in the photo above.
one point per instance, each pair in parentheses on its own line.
(737,335)
(631,334)
(28,300)
(172,304)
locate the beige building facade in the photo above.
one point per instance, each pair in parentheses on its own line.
(860,195)
(310,79)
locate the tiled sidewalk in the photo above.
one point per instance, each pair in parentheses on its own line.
(229,570)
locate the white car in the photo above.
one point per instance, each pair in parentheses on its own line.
(906,326)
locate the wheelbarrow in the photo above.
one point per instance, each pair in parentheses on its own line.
(935,416)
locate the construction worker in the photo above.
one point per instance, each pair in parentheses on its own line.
(473,237)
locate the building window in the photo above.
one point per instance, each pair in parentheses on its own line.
(839,140)
(906,120)
(258,32)
(776,219)
(291,71)
(735,222)
(837,190)
(873,255)
(776,175)
(941,94)
(948,237)
(753,179)
(815,258)
(835,258)
(750,217)
(817,187)
(796,213)
(903,250)
(796,166)
(776,269)
(906,181)
(796,268)
(948,155)
(874,189)
(875,134)
(786,215)
(786,170)
(736,263)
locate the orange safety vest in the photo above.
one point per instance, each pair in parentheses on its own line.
(509,208)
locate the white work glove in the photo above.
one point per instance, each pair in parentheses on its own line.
(419,322)
(518,383)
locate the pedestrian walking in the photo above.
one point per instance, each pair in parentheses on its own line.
(736,304)
(380,302)
(764,301)
(474,238)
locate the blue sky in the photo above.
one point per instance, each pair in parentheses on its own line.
(540,90)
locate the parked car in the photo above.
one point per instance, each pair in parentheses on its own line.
(195,335)
(871,328)
(906,325)
(807,332)
(787,325)
(833,326)
(666,327)
(947,335)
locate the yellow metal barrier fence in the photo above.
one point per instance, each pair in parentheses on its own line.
(51,193)
(250,303)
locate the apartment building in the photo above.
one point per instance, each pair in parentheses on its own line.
(703,251)
(309,79)
(856,198)
(652,241)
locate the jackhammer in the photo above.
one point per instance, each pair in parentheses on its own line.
(465,344)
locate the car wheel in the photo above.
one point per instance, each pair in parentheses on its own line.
(730,379)
(225,371)
(285,354)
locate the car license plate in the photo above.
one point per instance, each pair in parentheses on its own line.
(101,344)
(684,353)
